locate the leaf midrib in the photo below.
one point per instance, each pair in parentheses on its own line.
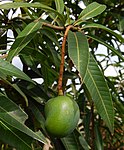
(22,41)
(21,124)
(15,135)
(77,52)
(100,97)
(89,12)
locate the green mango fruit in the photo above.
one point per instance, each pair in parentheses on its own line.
(62,116)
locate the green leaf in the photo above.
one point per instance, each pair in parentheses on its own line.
(59,6)
(99,26)
(38,116)
(98,138)
(24,38)
(71,142)
(35,92)
(84,143)
(8,69)
(78,51)
(15,86)
(35,5)
(51,34)
(99,91)
(90,11)
(14,116)
(14,138)
(98,39)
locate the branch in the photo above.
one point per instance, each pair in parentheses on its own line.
(60,92)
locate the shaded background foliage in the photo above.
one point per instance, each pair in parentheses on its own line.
(40,58)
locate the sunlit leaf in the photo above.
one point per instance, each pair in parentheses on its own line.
(24,38)
(99,91)
(90,11)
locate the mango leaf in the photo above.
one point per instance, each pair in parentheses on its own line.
(8,69)
(14,137)
(90,11)
(59,6)
(71,142)
(98,39)
(84,143)
(24,38)
(35,5)
(14,116)
(96,84)
(51,34)
(99,26)
(15,86)
(78,50)
(98,138)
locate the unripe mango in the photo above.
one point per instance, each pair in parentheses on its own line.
(62,115)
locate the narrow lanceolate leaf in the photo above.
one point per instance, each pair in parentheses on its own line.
(34,5)
(8,69)
(71,142)
(90,11)
(14,138)
(59,6)
(15,117)
(98,39)
(78,51)
(99,91)
(24,38)
(99,26)
(15,86)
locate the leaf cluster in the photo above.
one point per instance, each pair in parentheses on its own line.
(33,32)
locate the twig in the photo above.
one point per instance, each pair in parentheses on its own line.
(60,91)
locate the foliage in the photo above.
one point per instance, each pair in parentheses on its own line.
(44,36)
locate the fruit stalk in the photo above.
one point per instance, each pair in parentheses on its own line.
(60,91)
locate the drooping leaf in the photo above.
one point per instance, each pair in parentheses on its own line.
(14,116)
(98,139)
(99,26)
(35,5)
(14,138)
(59,6)
(90,11)
(99,91)
(51,34)
(8,69)
(35,92)
(98,39)
(78,51)
(84,143)
(24,38)
(71,142)
(38,116)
